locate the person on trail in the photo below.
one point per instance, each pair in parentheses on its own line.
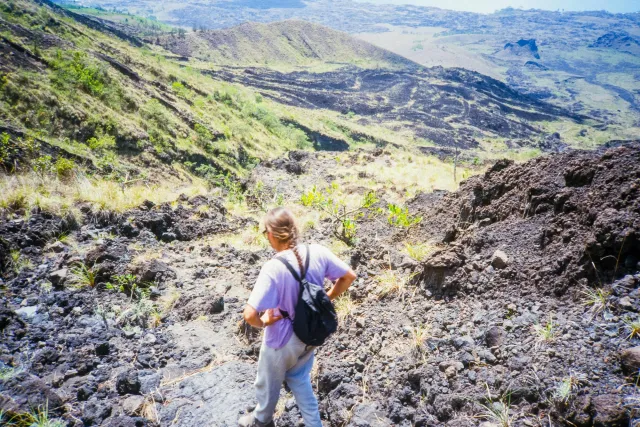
(271,305)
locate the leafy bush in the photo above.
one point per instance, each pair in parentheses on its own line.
(204,135)
(181,90)
(80,72)
(42,165)
(64,167)
(400,216)
(7,150)
(155,112)
(130,285)
(312,197)
(102,143)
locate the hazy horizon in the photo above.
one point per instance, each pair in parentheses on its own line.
(613,6)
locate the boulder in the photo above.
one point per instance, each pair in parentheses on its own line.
(58,277)
(132,405)
(630,359)
(495,337)
(609,410)
(499,260)
(95,411)
(128,383)
(156,271)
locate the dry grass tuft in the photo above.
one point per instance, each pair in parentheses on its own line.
(419,251)
(59,197)
(345,306)
(391,282)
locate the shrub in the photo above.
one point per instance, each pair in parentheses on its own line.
(181,90)
(64,167)
(42,165)
(204,135)
(7,150)
(155,112)
(102,143)
(79,71)
(129,284)
(400,216)
(312,197)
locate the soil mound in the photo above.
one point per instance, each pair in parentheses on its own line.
(566,221)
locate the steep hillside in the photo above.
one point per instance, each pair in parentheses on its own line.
(290,42)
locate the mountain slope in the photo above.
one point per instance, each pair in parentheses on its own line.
(287,42)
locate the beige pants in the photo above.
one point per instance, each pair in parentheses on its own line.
(291,363)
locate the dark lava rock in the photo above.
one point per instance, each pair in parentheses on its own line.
(630,359)
(128,383)
(495,337)
(609,410)
(26,392)
(95,411)
(156,271)
(102,349)
(58,277)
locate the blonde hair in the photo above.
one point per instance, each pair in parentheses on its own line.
(281,223)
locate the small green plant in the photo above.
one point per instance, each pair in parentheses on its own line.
(18,262)
(6,148)
(128,284)
(42,165)
(634,327)
(83,276)
(419,251)
(139,313)
(312,197)
(102,143)
(546,333)
(596,299)
(498,411)
(370,199)
(400,217)
(64,167)
(345,306)
(36,418)
(565,388)
(348,231)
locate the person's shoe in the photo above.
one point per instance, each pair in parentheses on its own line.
(249,420)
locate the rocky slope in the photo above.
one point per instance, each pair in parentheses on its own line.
(502,313)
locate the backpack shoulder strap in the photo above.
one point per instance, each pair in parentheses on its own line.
(306,262)
(290,268)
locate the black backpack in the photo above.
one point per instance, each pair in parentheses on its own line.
(315,318)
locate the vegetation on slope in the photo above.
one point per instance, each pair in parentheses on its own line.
(291,42)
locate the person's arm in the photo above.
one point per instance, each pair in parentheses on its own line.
(264,297)
(252,317)
(342,284)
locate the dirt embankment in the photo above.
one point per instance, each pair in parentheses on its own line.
(526,307)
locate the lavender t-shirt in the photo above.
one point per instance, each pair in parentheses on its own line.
(277,289)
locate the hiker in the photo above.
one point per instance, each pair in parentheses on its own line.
(283,356)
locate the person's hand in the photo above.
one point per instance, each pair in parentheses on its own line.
(269,318)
